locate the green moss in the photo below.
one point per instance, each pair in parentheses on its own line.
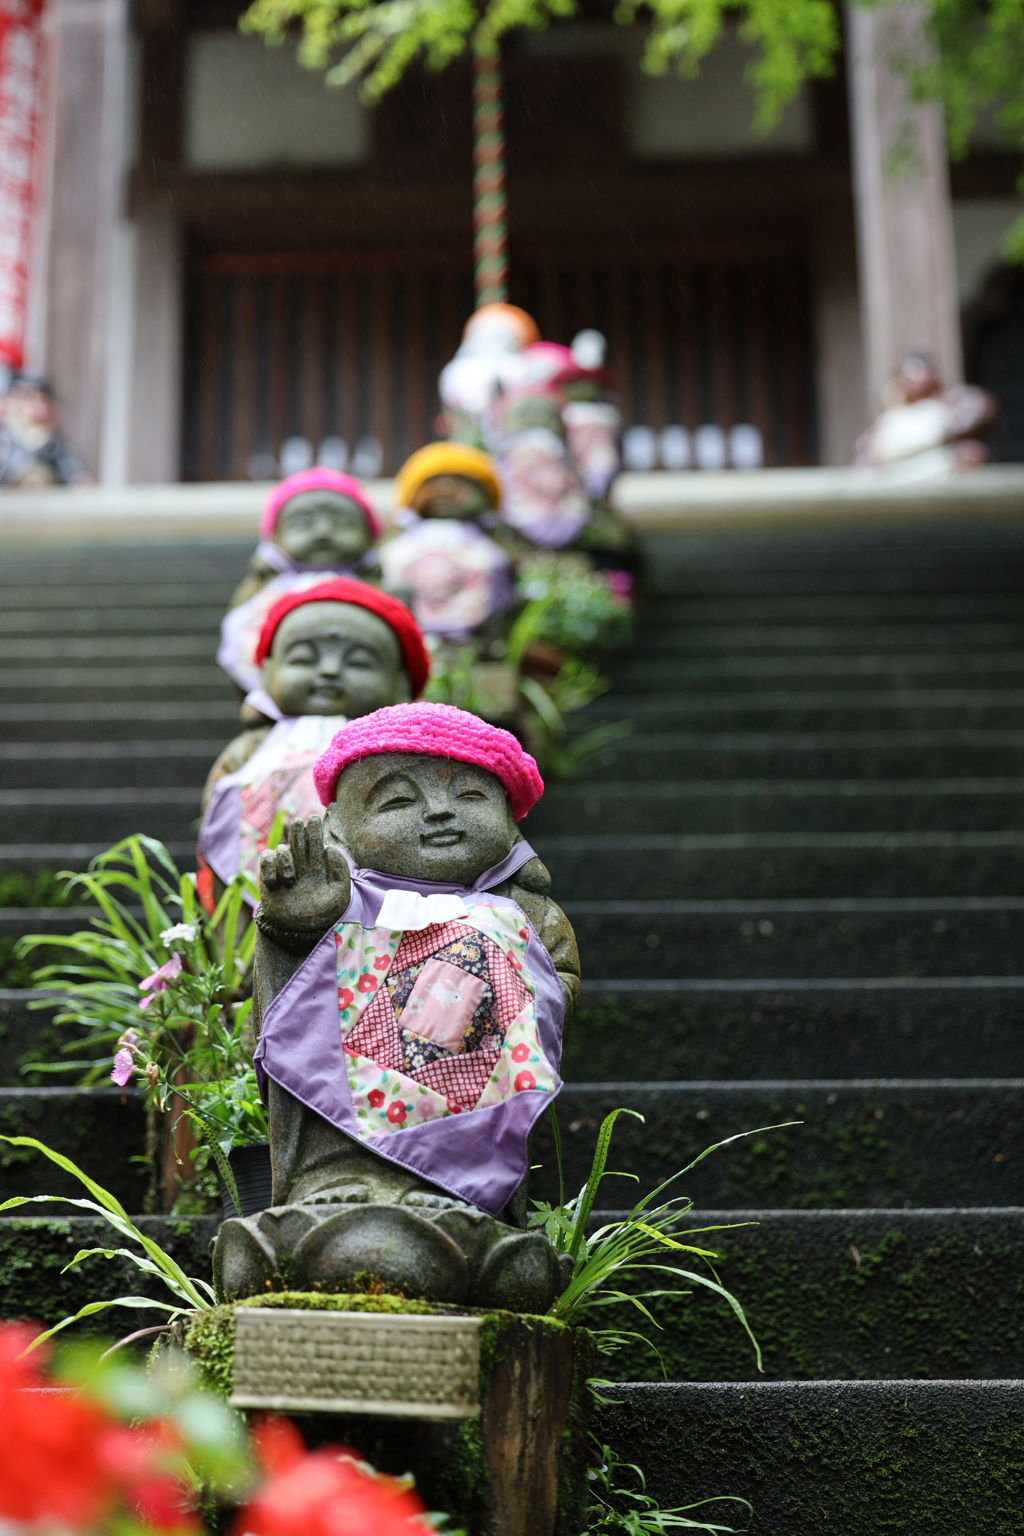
(319,1301)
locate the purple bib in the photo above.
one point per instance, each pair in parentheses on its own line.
(426,1025)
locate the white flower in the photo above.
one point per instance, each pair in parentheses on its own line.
(184,931)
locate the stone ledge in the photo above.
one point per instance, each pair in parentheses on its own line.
(650,503)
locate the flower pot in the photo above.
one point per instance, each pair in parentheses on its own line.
(251,1168)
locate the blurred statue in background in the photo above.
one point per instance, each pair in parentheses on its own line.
(315,524)
(924,426)
(32,450)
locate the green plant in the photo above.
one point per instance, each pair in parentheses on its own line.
(158,988)
(632,1511)
(604,1260)
(569,605)
(455,679)
(192,1295)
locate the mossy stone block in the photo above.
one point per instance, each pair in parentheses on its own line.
(518,1467)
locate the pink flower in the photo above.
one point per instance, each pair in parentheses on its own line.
(620,584)
(520,1052)
(382,962)
(123,1067)
(159,979)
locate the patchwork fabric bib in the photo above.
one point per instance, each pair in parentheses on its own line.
(542,494)
(278,777)
(458,577)
(435,1045)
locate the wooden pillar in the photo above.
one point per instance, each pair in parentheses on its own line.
(82,195)
(901,187)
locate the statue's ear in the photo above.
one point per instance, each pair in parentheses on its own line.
(332,826)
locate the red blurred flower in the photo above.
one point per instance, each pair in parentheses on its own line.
(382,962)
(520,1052)
(366,984)
(523,1081)
(346,997)
(375,1098)
(396,1112)
(328,1493)
(51,1471)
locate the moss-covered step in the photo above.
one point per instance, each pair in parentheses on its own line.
(98,815)
(964,753)
(808,709)
(103,1130)
(784,805)
(26,1035)
(803,936)
(881,669)
(35,1249)
(802,1027)
(118,722)
(509,1457)
(865,1458)
(97,764)
(834,1294)
(885,1143)
(769,865)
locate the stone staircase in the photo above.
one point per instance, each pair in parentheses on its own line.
(798,890)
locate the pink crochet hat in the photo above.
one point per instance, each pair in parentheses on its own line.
(317,479)
(436,730)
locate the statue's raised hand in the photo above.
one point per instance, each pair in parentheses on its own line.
(304,883)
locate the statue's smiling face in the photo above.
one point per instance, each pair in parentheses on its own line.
(426,818)
(322,528)
(334,659)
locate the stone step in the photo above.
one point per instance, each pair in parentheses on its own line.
(881,1142)
(120,721)
(683,755)
(34,1250)
(849,936)
(130,651)
(34,857)
(875,1027)
(936,1458)
(839,1294)
(200,619)
(100,815)
(669,615)
(723,675)
(26,1034)
(44,685)
(686,639)
(782,805)
(70,765)
(92,1126)
(783,864)
(809,709)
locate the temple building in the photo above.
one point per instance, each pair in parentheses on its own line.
(227,257)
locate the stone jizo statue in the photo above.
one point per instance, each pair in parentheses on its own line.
(314,525)
(413,983)
(327,654)
(458,579)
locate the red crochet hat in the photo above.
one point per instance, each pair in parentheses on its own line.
(436,730)
(317,479)
(342,589)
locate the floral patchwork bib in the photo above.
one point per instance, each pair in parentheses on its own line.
(436,1043)
(438,1022)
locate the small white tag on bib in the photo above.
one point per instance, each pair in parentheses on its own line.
(410,912)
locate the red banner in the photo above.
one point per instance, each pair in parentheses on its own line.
(21,56)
